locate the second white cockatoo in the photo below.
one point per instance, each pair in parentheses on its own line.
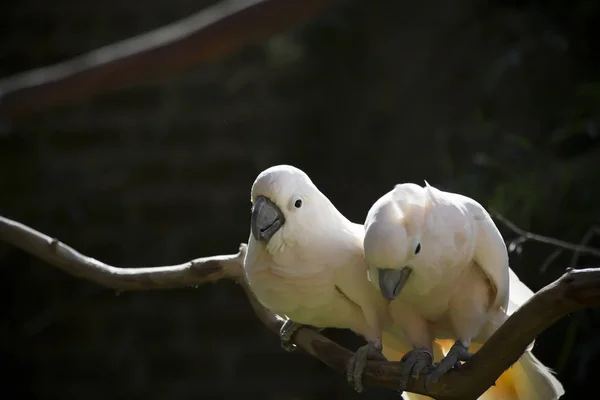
(305,261)
(441,261)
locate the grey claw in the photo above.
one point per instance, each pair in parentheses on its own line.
(286,333)
(414,363)
(358,363)
(458,352)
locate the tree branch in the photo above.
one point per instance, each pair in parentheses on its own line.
(205,36)
(575,290)
(191,273)
(525,236)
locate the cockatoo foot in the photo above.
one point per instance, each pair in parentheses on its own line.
(458,352)
(414,363)
(286,332)
(358,363)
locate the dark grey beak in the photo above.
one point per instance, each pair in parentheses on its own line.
(391,281)
(267,218)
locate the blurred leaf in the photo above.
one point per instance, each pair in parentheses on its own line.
(589,90)
(520,141)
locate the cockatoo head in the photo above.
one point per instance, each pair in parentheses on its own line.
(285,205)
(392,241)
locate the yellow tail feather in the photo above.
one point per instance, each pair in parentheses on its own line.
(527,379)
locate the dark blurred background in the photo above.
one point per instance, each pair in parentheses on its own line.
(497,100)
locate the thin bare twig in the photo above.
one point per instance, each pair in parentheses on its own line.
(575,290)
(584,241)
(577,318)
(205,36)
(525,235)
(553,256)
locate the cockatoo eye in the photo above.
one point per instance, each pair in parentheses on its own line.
(295,202)
(418,248)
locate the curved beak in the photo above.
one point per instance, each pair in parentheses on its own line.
(391,281)
(266,220)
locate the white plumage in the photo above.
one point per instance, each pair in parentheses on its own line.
(460,285)
(312,268)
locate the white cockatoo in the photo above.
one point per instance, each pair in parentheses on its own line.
(443,264)
(305,261)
